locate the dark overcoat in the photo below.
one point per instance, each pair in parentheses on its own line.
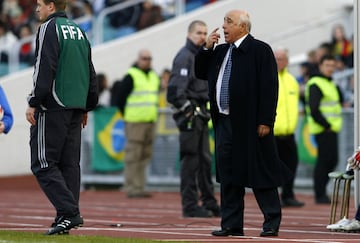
(253,92)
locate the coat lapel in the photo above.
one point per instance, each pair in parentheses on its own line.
(244,46)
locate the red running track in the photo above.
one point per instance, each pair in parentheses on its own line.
(23,207)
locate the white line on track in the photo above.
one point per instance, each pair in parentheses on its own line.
(181,231)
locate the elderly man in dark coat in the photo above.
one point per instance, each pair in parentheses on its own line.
(245,149)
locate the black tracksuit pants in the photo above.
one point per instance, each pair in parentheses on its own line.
(55,158)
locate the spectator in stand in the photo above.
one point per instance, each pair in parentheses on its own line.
(28,8)
(164,77)
(27,50)
(311,56)
(7,41)
(104,93)
(307,68)
(17,12)
(150,14)
(350,58)
(98,6)
(340,45)
(83,11)
(167,7)
(350,93)
(343,81)
(124,17)
(302,79)
(164,80)
(201,1)
(13,14)
(75,9)
(322,50)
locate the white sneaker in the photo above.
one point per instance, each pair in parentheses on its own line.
(353,226)
(339,225)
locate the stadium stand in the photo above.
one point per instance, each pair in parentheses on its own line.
(113,19)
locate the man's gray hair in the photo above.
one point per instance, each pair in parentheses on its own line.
(244,18)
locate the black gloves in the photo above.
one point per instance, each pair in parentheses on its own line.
(185,116)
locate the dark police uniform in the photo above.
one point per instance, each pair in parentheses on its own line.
(189,95)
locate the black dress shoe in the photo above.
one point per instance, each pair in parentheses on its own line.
(139,195)
(227,232)
(198,212)
(270,232)
(323,200)
(215,209)
(291,202)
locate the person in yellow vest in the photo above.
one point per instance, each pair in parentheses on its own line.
(285,125)
(137,97)
(323,110)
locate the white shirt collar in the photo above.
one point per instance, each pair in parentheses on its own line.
(239,41)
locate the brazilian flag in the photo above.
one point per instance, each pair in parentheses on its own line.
(109,140)
(307,147)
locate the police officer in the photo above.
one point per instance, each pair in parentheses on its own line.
(188,97)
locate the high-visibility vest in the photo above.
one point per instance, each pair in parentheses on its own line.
(142,103)
(287,110)
(330,105)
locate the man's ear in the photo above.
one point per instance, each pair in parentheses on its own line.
(51,6)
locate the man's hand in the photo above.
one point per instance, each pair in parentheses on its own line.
(212,39)
(263,130)
(84,120)
(2,127)
(30,115)
(189,110)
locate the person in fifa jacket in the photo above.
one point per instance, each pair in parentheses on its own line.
(137,97)
(189,95)
(6,116)
(64,89)
(287,111)
(323,110)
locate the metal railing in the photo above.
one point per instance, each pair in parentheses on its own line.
(302,28)
(100,20)
(96,34)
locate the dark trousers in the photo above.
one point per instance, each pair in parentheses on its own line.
(288,153)
(232,196)
(357,215)
(232,206)
(195,173)
(55,156)
(327,145)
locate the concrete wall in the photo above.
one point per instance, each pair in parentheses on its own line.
(298,25)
